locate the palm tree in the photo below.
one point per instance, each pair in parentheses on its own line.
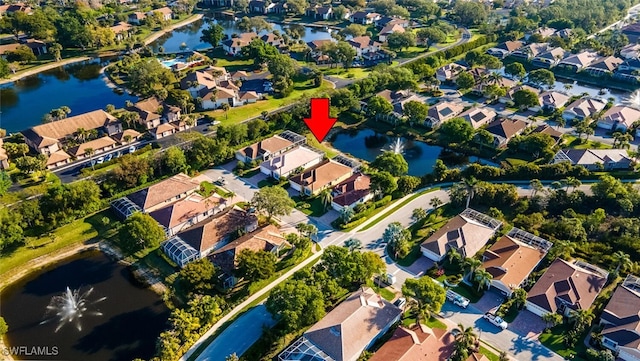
(90,152)
(471,264)
(470,184)
(495,77)
(353,244)
(568,86)
(346,213)
(581,318)
(326,198)
(622,261)
(552,319)
(81,134)
(465,341)
(536,186)
(66,110)
(572,182)
(435,202)
(127,138)
(418,214)
(483,278)
(225,107)
(453,255)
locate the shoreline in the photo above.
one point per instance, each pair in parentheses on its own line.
(152,37)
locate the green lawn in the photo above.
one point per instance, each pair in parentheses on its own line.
(82,230)
(400,205)
(310,206)
(554,340)
(207,189)
(351,73)
(313,142)
(572,141)
(490,354)
(409,318)
(239,114)
(468,292)
(385,292)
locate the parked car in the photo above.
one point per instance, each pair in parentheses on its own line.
(457,299)
(496,320)
(400,302)
(391,279)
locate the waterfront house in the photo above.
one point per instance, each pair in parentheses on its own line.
(466,233)
(364,17)
(325,175)
(48,138)
(579,61)
(605,65)
(364,45)
(288,163)
(529,51)
(318,12)
(265,149)
(512,258)
(552,100)
(549,58)
(619,118)
(97,146)
(503,130)
(233,46)
(351,192)
(595,159)
(122,30)
(630,51)
(583,108)
(621,320)
(188,211)
(267,239)
(441,112)
(346,331)
(136,17)
(165,12)
(478,116)
(207,236)
(566,286)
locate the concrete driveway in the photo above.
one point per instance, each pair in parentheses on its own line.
(527,324)
(489,301)
(239,336)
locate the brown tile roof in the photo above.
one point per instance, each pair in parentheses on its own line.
(545,129)
(463,233)
(317,44)
(322,174)
(362,42)
(164,11)
(506,128)
(239,74)
(51,133)
(165,190)
(121,27)
(622,314)
(264,239)
(185,209)
(352,189)
(208,234)
(510,261)
(8,47)
(242,40)
(568,282)
(345,331)
(59,156)
(417,343)
(137,15)
(95,144)
(130,132)
(201,77)
(249,95)
(270,145)
(392,28)
(164,127)
(150,105)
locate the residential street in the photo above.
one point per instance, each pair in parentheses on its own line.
(518,341)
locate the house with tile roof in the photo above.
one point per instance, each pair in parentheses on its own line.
(320,177)
(127,136)
(165,12)
(449,72)
(99,145)
(582,108)
(441,112)
(265,149)
(566,286)
(233,46)
(619,118)
(351,192)
(546,129)
(505,49)
(122,30)
(512,258)
(207,236)
(530,51)
(268,239)
(347,330)
(595,159)
(503,130)
(630,51)
(364,17)
(466,233)
(388,30)
(48,138)
(549,58)
(136,17)
(291,162)
(188,211)
(621,320)
(552,100)
(605,65)
(163,193)
(364,45)
(478,116)
(57,159)
(579,61)
(391,20)
(151,111)
(163,130)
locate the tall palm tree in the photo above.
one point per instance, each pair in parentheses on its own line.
(470,185)
(552,319)
(495,78)
(483,278)
(471,265)
(453,255)
(536,186)
(622,260)
(581,318)
(326,198)
(90,152)
(572,182)
(346,213)
(435,202)
(353,244)
(225,107)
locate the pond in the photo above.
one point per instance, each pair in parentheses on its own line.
(367,144)
(122,326)
(190,35)
(80,86)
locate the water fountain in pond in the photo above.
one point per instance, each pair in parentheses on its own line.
(634,99)
(70,307)
(397,146)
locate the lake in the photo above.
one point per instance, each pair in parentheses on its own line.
(132,317)
(190,35)
(80,86)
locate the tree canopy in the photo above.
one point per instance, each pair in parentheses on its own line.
(391,162)
(273,201)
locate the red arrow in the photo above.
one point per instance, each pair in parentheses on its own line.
(320,123)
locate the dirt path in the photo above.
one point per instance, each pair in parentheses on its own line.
(173,27)
(41,68)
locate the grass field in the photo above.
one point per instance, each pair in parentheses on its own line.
(82,230)
(554,340)
(573,142)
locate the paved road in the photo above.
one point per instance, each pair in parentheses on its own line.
(239,336)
